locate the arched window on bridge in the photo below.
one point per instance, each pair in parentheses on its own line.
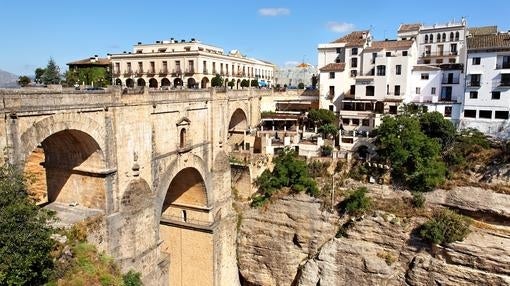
(182,141)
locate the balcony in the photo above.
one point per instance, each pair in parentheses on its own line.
(206,71)
(189,72)
(116,73)
(473,83)
(504,83)
(176,72)
(438,54)
(454,80)
(503,66)
(445,98)
(128,73)
(163,72)
(139,72)
(151,72)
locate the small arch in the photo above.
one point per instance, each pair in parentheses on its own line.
(438,37)
(153,83)
(426,38)
(204,82)
(191,82)
(118,81)
(187,188)
(182,138)
(457,35)
(444,37)
(140,82)
(130,83)
(451,36)
(178,82)
(431,38)
(165,82)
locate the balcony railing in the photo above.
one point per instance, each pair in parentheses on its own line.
(445,98)
(206,71)
(176,72)
(503,66)
(189,72)
(139,72)
(128,73)
(439,54)
(504,83)
(163,72)
(355,133)
(151,72)
(447,80)
(473,83)
(116,73)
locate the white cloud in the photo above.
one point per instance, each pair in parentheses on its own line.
(340,27)
(274,11)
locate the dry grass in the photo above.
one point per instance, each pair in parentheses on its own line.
(388,257)
(401,207)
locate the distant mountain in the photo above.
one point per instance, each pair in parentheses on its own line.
(8,79)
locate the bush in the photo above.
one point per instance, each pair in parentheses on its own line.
(317,168)
(301,85)
(446,226)
(132,278)
(326,150)
(418,200)
(357,203)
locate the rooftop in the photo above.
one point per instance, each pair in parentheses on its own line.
(357,38)
(92,61)
(409,28)
(389,45)
(333,67)
(486,30)
(493,41)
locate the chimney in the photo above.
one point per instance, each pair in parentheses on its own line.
(139,43)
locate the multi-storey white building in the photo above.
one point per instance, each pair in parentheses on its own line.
(487,95)
(438,76)
(185,64)
(339,63)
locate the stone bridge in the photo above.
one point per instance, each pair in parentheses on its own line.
(154,164)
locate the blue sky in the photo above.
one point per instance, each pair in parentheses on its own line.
(280,31)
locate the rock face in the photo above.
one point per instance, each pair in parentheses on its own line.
(272,243)
(293,243)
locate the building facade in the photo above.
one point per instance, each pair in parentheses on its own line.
(487,94)
(189,64)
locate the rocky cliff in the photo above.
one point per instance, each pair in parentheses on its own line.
(292,242)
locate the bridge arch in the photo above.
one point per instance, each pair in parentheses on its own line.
(238,120)
(64,154)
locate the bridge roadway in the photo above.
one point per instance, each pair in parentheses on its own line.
(154,165)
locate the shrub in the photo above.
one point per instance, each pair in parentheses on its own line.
(418,200)
(445,226)
(326,150)
(357,203)
(317,168)
(132,278)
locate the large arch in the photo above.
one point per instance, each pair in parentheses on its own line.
(185,222)
(178,82)
(238,121)
(165,82)
(130,83)
(140,82)
(118,81)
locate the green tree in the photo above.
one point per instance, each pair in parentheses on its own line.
(322,116)
(328,129)
(25,242)
(254,83)
(232,83)
(51,73)
(96,76)
(357,203)
(39,72)
(301,85)
(414,158)
(434,125)
(23,80)
(217,81)
(245,83)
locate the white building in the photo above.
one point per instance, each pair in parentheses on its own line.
(487,95)
(191,64)
(339,63)
(292,76)
(438,76)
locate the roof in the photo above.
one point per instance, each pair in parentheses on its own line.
(494,41)
(333,67)
(91,62)
(357,38)
(425,68)
(486,30)
(409,28)
(389,45)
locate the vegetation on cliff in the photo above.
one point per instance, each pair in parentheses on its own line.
(445,226)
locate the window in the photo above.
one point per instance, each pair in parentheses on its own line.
(332,75)
(374,55)
(444,37)
(473,94)
(496,95)
(393,109)
(431,38)
(439,61)
(438,37)
(475,79)
(355,122)
(345,121)
(485,114)
(501,115)
(426,39)
(418,90)
(366,122)
(397,89)
(457,36)
(433,90)
(451,60)
(447,111)
(451,36)
(453,49)
(476,61)
(388,54)
(370,91)
(331,108)
(470,113)
(331,91)
(354,62)
(381,70)
(354,73)
(354,51)
(426,62)
(404,53)
(338,50)
(424,76)
(353,90)
(398,69)
(446,93)
(182,141)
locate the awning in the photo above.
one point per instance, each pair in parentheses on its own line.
(262,83)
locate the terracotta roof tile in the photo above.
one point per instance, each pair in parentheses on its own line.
(388,45)
(357,38)
(487,30)
(494,41)
(333,67)
(409,27)
(91,61)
